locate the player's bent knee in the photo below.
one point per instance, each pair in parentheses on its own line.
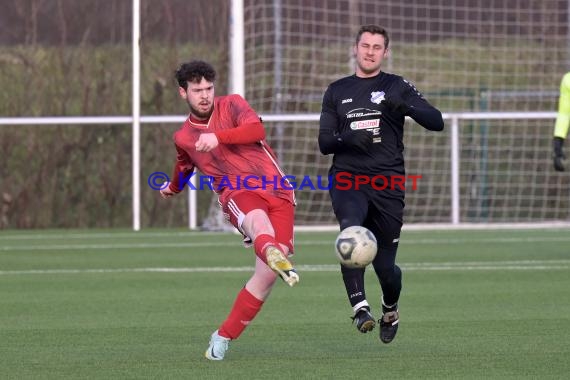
(256,222)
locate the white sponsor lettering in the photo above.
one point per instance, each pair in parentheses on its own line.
(360,112)
(349,100)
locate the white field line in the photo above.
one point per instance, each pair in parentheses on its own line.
(66,247)
(105,235)
(43,236)
(471,266)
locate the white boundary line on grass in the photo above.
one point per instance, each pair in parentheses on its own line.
(467,266)
(435,228)
(67,247)
(104,235)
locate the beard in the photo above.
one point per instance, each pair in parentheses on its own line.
(367,67)
(199,114)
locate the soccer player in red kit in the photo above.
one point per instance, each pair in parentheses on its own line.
(224,138)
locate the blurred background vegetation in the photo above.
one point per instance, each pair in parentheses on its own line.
(73,58)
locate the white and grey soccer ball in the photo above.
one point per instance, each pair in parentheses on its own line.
(356,247)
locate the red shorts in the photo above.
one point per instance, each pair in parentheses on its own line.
(281,212)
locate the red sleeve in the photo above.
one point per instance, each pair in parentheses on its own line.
(242,134)
(182,170)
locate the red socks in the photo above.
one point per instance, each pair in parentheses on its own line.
(261,243)
(245,308)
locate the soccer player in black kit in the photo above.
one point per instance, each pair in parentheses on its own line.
(362,124)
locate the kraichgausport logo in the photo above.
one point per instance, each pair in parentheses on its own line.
(341,181)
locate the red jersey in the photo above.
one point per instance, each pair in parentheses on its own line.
(252,166)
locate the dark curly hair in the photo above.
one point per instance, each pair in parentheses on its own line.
(194,71)
(373,29)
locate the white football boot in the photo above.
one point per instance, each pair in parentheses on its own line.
(218,347)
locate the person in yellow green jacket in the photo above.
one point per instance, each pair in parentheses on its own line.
(562,123)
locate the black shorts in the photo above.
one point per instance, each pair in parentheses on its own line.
(380,213)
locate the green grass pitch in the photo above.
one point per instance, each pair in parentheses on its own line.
(126,305)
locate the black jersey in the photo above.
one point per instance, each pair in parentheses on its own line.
(354,103)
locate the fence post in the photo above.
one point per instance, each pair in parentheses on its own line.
(454,140)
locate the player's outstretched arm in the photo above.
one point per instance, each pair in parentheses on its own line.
(428,117)
(410,102)
(247,133)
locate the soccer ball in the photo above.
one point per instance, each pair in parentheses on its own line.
(355,247)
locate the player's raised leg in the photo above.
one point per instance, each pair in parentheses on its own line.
(281,217)
(255,214)
(277,261)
